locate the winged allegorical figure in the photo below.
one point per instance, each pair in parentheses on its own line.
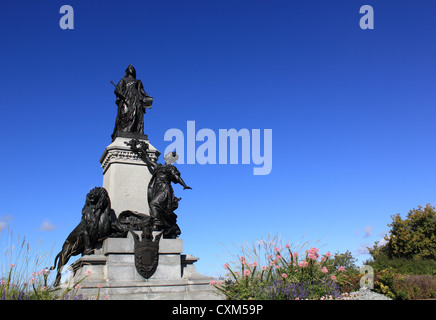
(161,199)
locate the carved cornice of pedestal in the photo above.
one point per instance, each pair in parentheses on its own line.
(118,152)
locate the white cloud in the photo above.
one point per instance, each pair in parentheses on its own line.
(46,225)
(362,249)
(367,231)
(382,234)
(4,221)
(382,242)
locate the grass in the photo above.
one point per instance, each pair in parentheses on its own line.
(25,273)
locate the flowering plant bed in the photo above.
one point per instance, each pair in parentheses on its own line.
(287,277)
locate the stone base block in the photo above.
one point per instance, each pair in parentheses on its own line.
(113,268)
(126,176)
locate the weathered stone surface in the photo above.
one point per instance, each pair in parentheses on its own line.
(113,266)
(126,176)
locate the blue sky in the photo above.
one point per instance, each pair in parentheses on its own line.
(350,110)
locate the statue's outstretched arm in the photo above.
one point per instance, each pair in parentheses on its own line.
(141,89)
(180,180)
(145,98)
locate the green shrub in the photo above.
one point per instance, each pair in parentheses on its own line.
(401,295)
(414,266)
(413,237)
(404,287)
(414,287)
(384,281)
(345,260)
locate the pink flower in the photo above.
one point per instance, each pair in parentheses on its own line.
(88,272)
(43,288)
(324,270)
(312,256)
(11,265)
(276,249)
(287,246)
(212,282)
(226,266)
(341,268)
(328,254)
(333,278)
(323,259)
(313,251)
(255,264)
(303,264)
(284,275)
(264,268)
(77,286)
(277,267)
(246,273)
(295,254)
(270,257)
(99,285)
(241,259)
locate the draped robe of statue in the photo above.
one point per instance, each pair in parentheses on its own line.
(160,193)
(161,199)
(132,101)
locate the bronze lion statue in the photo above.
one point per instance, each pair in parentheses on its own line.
(94,227)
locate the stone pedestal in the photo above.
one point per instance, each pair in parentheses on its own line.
(126,176)
(113,267)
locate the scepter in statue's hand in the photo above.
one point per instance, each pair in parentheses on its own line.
(117,93)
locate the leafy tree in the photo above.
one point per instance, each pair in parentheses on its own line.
(345,260)
(413,237)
